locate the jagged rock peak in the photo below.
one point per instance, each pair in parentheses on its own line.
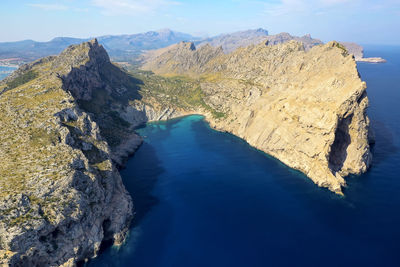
(76,55)
(186,45)
(182,57)
(261,30)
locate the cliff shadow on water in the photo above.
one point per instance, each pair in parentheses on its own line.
(140,186)
(384,146)
(140,177)
(140,182)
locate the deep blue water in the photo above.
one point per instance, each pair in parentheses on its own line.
(5,71)
(205,198)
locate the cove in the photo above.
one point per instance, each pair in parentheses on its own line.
(206,198)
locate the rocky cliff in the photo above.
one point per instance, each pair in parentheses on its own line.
(62,136)
(308,109)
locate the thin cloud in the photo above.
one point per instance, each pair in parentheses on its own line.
(49,7)
(285,7)
(131,7)
(334,2)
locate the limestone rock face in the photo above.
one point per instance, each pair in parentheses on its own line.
(308,109)
(61,195)
(183,57)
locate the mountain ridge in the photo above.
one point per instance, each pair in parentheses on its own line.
(129,47)
(32,50)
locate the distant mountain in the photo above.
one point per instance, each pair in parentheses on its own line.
(144,41)
(129,47)
(232,41)
(118,46)
(284,37)
(29,50)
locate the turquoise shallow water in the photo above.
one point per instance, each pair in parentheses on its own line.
(205,198)
(5,71)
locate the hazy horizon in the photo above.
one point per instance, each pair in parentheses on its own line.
(360,21)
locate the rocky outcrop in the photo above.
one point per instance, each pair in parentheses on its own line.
(372,60)
(183,57)
(308,109)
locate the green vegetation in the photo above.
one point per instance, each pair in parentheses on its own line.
(22,79)
(40,137)
(340,46)
(177,91)
(218,115)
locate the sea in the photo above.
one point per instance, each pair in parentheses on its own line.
(5,71)
(207,198)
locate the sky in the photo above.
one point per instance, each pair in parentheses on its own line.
(361,21)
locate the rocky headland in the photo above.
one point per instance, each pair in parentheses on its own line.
(306,108)
(358,52)
(68,122)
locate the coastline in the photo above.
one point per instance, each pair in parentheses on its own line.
(9,66)
(372,60)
